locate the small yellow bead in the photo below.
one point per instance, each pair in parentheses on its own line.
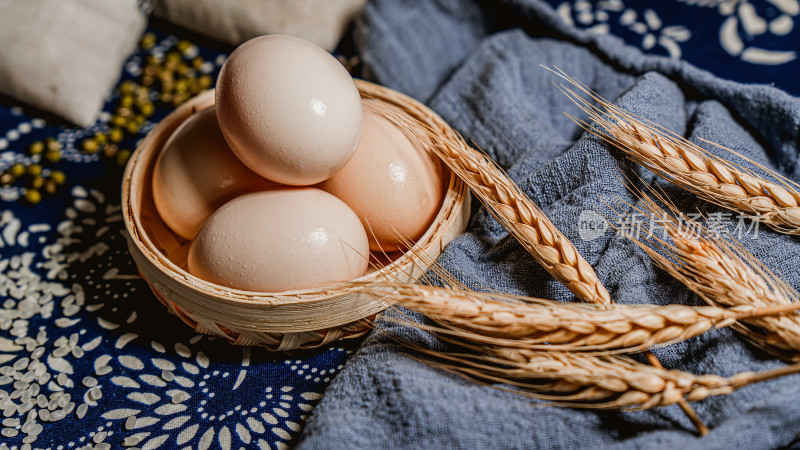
(205,81)
(58,177)
(118,121)
(90,146)
(198,62)
(126,87)
(116,135)
(166,76)
(52,144)
(194,86)
(100,137)
(110,150)
(170,67)
(190,52)
(148,41)
(173,56)
(147,109)
(32,196)
(17,170)
(36,148)
(154,60)
(132,127)
(126,101)
(183,45)
(123,156)
(180,98)
(181,86)
(53,156)
(50,187)
(34,170)
(37,182)
(143,96)
(6,178)
(183,69)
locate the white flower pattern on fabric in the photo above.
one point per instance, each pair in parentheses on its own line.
(88,357)
(742,24)
(744,19)
(594,18)
(161,395)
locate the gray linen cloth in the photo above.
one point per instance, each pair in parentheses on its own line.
(481,71)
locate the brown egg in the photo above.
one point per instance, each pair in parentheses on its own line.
(393,185)
(288,109)
(280,240)
(196,173)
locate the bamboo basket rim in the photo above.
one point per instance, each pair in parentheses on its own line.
(142,159)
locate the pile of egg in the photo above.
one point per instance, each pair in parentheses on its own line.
(291,178)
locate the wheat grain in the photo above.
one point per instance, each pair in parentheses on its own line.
(590,381)
(523,219)
(685,164)
(514,210)
(722,273)
(524,322)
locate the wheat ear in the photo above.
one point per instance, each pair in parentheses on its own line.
(590,381)
(721,273)
(514,210)
(687,165)
(520,216)
(513,321)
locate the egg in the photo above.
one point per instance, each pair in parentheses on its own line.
(393,185)
(280,240)
(289,110)
(196,173)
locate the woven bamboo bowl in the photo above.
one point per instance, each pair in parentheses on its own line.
(285,320)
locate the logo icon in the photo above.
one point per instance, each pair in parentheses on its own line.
(591,225)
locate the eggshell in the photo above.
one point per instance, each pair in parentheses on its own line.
(393,185)
(279,240)
(196,173)
(288,109)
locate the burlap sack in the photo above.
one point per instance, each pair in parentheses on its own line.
(64,56)
(235,21)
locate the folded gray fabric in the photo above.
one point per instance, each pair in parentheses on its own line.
(64,56)
(487,82)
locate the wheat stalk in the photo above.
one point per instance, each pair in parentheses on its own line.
(690,167)
(522,218)
(514,210)
(721,273)
(590,381)
(513,321)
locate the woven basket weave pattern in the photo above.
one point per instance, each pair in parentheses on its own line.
(279,321)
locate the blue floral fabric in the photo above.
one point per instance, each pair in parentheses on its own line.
(746,41)
(88,356)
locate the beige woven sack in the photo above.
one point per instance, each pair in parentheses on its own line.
(65,56)
(235,21)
